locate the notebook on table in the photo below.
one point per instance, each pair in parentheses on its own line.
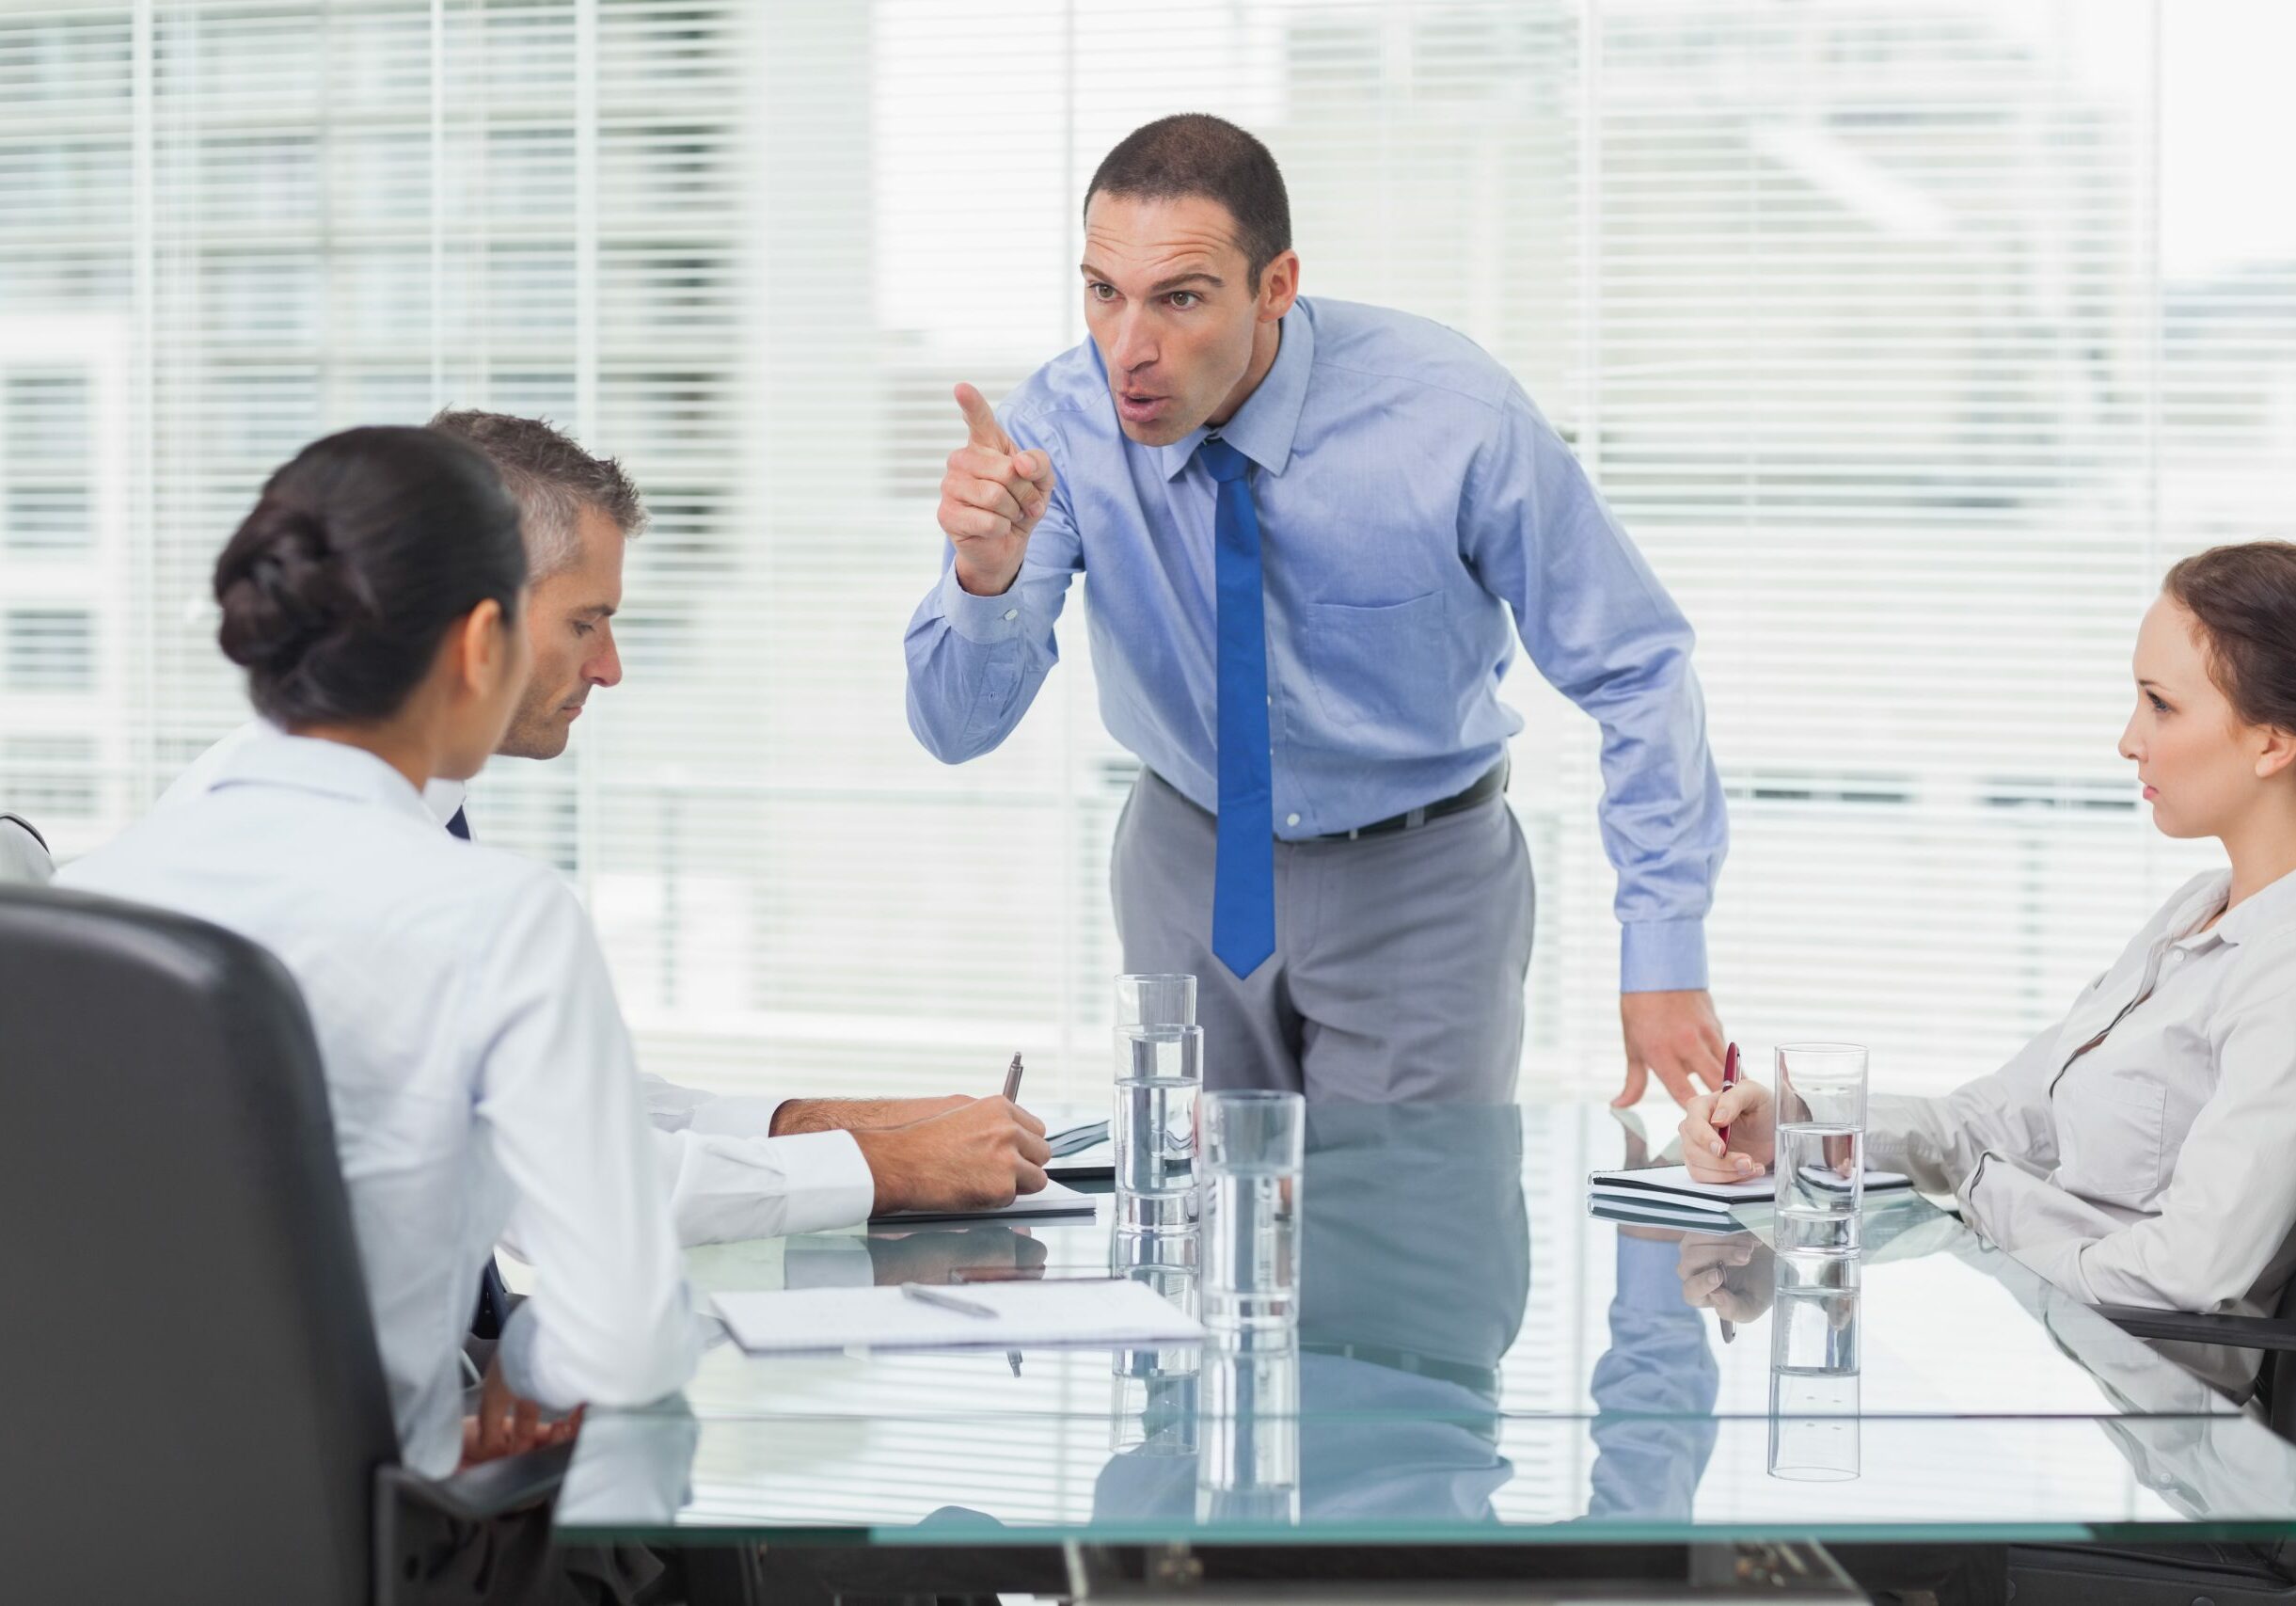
(1670,1188)
(1099,1312)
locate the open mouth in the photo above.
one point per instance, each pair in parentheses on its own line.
(1138,407)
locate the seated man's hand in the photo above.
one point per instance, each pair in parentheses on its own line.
(509,1424)
(929,1255)
(853,1114)
(1735,1275)
(1751,1113)
(977,1156)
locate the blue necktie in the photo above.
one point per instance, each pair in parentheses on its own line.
(1243,870)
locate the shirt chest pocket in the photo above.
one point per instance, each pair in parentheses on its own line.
(1377,666)
(2112,1142)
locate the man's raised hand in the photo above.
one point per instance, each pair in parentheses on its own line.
(991,498)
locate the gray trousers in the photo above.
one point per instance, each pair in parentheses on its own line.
(1398,964)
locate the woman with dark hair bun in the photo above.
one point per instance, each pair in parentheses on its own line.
(474,1056)
(2139,1152)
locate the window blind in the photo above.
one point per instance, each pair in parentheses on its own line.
(1910,340)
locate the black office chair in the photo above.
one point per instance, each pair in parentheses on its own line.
(191,1406)
(2227,1574)
(2275,1335)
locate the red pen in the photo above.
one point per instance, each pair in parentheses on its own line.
(1729,1080)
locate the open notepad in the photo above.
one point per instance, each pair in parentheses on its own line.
(1115,1312)
(1052,1199)
(1670,1190)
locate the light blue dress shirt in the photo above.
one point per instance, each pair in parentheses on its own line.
(1409,496)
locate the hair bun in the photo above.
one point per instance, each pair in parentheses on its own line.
(286,591)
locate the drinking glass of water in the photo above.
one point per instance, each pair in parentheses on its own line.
(1247,1468)
(1814,1368)
(1820,1163)
(1254,1147)
(1160,1066)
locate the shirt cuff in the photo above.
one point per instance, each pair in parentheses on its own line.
(829,1183)
(985,621)
(513,1352)
(1662,956)
(741,1115)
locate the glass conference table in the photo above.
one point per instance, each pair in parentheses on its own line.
(1480,1361)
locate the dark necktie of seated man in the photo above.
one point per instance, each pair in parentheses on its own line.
(492,1308)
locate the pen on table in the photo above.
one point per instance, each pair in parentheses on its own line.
(933,1297)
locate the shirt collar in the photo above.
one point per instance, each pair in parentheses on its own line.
(273,758)
(2266,910)
(1265,426)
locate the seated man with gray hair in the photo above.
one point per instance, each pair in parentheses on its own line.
(736,1166)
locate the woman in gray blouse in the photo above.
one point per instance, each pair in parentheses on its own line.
(2141,1150)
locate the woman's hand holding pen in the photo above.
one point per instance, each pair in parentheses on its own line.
(1749,1114)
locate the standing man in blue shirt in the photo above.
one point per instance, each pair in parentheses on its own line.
(1305,525)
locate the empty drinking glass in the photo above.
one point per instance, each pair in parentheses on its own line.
(1255,1144)
(1820,1162)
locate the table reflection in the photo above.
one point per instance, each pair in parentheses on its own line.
(1415,1274)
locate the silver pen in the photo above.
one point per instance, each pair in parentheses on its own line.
(1012,1080)
(933,1297)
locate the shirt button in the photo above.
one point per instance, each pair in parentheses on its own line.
(1012,613)
(1292,819)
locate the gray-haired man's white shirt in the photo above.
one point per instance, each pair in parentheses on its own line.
(23,856)
(2141,1150)
(729,1177)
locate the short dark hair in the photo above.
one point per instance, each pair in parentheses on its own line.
(2244,597)
(360,552)
(1195,153)
(553,477)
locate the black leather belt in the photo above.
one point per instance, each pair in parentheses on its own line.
(1492,782)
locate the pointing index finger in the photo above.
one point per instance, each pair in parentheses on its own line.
(980,422)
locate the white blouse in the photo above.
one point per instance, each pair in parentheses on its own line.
(476,1063)
(2141,1150)
(729,1178)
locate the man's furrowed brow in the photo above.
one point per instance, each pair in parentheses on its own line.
(1163,287)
